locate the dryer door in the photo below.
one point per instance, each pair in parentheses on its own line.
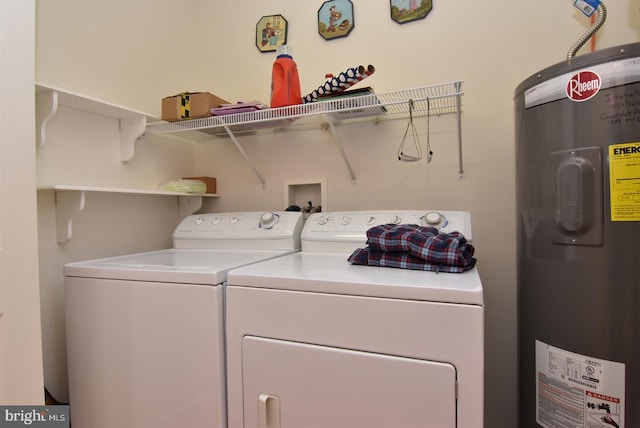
(293,385)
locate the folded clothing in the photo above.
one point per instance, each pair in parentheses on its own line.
(411,246)
(402,260)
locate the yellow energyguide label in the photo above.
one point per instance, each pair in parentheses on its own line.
(624,173)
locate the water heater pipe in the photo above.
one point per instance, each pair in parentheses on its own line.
(602,16)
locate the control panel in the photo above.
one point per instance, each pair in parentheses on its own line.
(215,230)
(328,231)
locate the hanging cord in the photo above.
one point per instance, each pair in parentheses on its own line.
(416,140)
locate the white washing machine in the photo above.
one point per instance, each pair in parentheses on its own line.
(145,332)
(314,341)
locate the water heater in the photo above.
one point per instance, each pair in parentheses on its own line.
(578,239)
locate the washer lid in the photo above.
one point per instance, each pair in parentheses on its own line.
(332,273)
(189,266)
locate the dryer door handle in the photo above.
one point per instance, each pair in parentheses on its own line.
(268,411)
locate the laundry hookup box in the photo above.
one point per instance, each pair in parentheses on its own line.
(189,105)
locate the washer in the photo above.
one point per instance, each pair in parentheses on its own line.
(313,341)
(145,332)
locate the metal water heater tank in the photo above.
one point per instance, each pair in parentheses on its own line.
(578,239)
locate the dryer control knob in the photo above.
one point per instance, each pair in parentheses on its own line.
(234,220)
(433,218)
(346,220)
(199,220)
(268,219)
(370,220)
(322,220)
(215,220)
(396,219)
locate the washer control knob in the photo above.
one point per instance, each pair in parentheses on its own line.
(267,218)
(322,220)
(199,221)
(234,220)
(370,220)
(433,218)
(346,220)
(396,219)
(215,220)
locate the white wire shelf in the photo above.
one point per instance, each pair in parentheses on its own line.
(432,100)
(429,100)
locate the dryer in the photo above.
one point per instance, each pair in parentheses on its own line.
(145,332)
(314,341)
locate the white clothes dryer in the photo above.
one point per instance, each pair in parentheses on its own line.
(145,332)
(314,341)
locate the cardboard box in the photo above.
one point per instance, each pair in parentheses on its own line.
(189,105)
(209,181)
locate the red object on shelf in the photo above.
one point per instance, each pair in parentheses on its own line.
(285,82)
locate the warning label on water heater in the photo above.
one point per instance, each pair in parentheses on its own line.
(624,172)
(577,391)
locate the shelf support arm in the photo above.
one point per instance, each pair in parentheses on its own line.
(68,205)
(46,108)
(342,151)
(244,155)
(459,114)
(131,129)
(188,205)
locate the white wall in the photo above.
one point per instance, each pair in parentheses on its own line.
(118,51)
(210,45)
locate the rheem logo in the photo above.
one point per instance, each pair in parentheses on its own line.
(583,86)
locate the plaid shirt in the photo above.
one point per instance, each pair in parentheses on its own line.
(415,247)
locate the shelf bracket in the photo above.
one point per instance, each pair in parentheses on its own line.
(68,205)
(188,205)
(70,202)
(131,128)
(342,152)
(46,108)
(244,155)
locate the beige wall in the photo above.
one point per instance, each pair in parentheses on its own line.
(134,53)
